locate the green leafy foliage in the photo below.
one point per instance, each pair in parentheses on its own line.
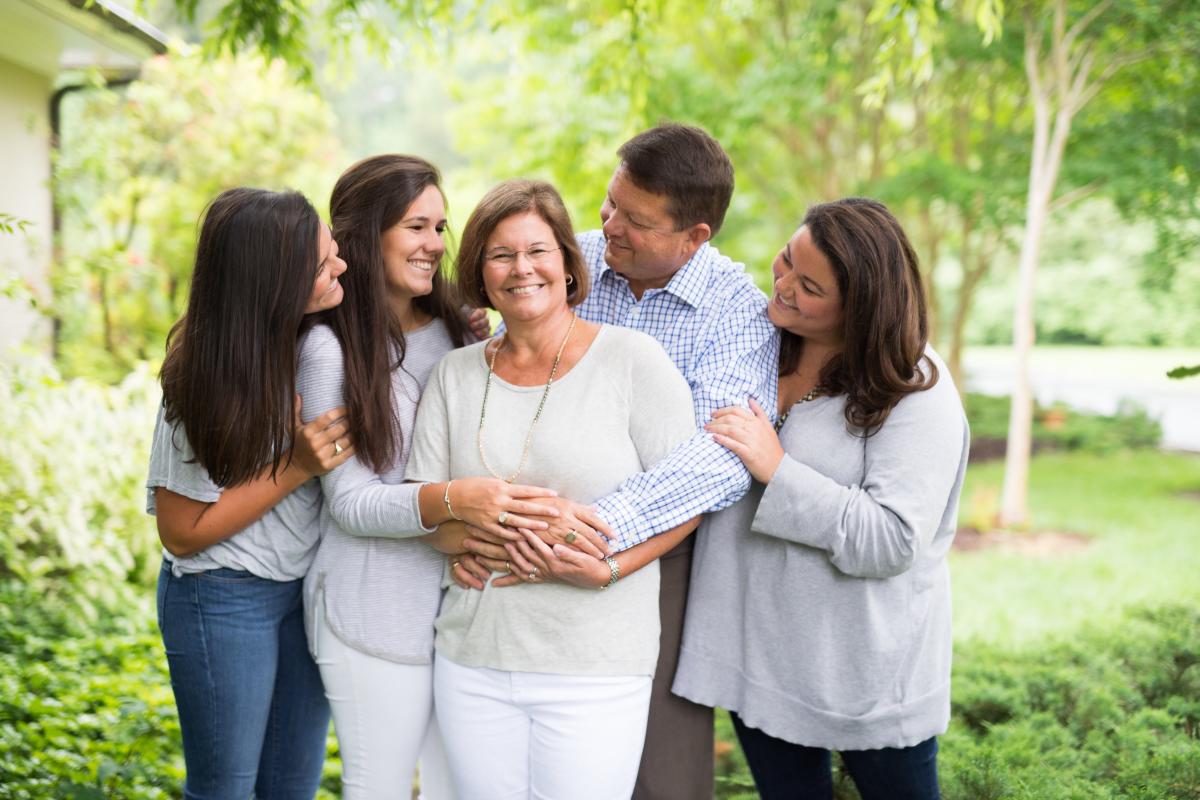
(138,167)
(1061,427)
(72,519)
(1184,372)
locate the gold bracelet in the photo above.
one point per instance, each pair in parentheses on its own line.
(446,500)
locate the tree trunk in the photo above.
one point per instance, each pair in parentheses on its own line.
(1048,148)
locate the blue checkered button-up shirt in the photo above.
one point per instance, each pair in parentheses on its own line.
(712,321)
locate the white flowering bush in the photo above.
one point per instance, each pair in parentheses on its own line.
(72,470)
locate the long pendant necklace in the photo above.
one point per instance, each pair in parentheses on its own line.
(545,393)
(812,394)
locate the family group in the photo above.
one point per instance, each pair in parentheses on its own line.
(533,561)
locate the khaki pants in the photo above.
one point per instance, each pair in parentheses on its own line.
(677,761)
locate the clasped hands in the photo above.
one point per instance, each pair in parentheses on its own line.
(568,547)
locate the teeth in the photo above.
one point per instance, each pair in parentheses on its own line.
(524,289)
(427,266)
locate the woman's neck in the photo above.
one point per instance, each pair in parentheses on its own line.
(407,314)
(814,357)
(536,340)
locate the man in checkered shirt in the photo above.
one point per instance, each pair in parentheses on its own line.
(653,269)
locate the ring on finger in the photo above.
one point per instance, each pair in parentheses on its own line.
(571,536)
(502,518)
(507,567)
(455,563)
(533,575)
(337,447)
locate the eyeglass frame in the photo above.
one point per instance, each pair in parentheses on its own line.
(509,258)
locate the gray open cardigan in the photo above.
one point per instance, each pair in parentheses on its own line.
(820,603)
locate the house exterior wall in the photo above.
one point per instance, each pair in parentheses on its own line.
(25,193)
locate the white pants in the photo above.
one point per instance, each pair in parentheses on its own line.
(383,717)
(530,735)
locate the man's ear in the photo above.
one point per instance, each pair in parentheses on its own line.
(697,235)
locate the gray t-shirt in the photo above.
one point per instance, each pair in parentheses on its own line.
(376,587)
(279,546)
(619,410)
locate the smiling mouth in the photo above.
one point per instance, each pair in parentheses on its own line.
(333,285)
(423,266)
(779,299)
(524,290)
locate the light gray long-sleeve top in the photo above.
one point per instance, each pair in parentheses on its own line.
(376,586)
(820,603)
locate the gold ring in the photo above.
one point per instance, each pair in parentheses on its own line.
(503,518)
(337,447)
(571,536)
(454,563)
(533,575)
(507,567)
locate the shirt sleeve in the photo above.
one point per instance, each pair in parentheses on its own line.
(359,502)
(429,459)
(739,361)
(876,530)
(173,466)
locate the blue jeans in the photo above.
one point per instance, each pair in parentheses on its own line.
(251,707)
(785,770)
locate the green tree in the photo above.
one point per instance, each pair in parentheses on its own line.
(137,169)
(1092,57)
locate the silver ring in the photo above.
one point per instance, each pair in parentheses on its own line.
(337,447)
(533,575)
(503,518)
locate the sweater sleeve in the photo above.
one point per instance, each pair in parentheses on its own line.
(359,502)
(876,529)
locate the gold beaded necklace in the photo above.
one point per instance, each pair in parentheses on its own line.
(537,415)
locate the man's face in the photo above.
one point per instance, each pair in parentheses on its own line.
(643,244)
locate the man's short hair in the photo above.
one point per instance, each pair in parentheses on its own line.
(688,166)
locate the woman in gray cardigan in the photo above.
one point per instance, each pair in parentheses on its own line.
(824,622)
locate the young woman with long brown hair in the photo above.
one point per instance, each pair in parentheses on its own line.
(374,589)
(236,511)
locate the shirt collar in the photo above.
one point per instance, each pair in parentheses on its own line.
(688,283)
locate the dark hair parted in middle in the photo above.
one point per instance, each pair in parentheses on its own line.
(369,198)
(229,376)
(885,329)
(688,166)
(506,200)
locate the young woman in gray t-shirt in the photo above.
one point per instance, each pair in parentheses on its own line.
(229,483)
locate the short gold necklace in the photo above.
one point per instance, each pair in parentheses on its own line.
(537,415)
(812,394)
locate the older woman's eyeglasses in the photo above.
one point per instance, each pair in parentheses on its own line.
(536,255)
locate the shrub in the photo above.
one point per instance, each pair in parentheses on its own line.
(1060,427)
(72,519)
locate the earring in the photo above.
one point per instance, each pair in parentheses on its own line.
(570,279)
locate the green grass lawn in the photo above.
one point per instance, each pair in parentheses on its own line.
(1144,547)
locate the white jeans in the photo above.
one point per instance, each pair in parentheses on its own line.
(383,716)
(531,735)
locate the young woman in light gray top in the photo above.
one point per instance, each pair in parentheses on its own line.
(823,617)
(543,690)
(373,590)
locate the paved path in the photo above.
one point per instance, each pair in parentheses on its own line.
(1099,379)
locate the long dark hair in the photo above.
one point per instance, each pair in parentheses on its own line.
(230,372)
(885,329)
(370,197)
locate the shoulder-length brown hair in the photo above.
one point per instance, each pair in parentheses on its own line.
(885,329)
(230,372)
(370,197)
(505,200)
